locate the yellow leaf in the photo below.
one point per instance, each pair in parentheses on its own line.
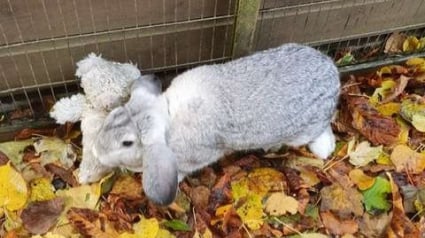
(383,70)
(364,154)
(381,92)
(145,228)
(162,233)
(220,211)
(279,204)
(13,188)
(384,159)
(418,121)
(403,137)
(309,177)
(407,160)
(389,109)
(105,184)
(415,61)
(84,196)
(411,44)
(41,190)
(251,212)
(362,181)
(49,235)
(12,221)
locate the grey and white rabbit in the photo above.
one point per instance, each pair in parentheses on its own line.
(286,95)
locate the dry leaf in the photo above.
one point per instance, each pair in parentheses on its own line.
(401,226)
(38,217)
(407,160)
(338,227)
(374,226)
(394,43)
(364,154)
(127,186)
(362,181)
(41,190)
(343,201)
(91,223)
(279,204)
(377,128)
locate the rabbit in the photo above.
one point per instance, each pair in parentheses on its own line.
(285,95)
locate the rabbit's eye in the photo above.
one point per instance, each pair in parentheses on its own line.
(127,143)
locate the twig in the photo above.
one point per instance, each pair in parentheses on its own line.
(287,226)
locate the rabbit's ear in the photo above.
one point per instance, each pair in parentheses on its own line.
(150,83)
(160,174)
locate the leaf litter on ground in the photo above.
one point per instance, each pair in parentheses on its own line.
(373,186)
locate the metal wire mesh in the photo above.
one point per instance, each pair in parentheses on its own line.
(40,41)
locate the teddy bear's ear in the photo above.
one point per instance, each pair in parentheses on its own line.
(150,83)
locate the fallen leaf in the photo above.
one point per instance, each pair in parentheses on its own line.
(400,226)
(413,110)
(411,43)
(39,217)
(251,212)
(177,225)
(377,128)
(65,174)
(200,197)
(342,201)
(364,154)
(398,89)
(279,204)
(394,43)
(389,109)
(374,226)
(348,58)
(387,86)
(53,149)
(13,188)
(14,150)
(41,190)
(127,186)
(415,61)
(3,158)
(84,196)
(362,181)
(375,198)
(407,160)
(90,223)
(338,227)
(145,228)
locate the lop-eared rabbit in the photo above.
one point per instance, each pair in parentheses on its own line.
(286,95)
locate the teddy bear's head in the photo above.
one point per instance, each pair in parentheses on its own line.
(106,84)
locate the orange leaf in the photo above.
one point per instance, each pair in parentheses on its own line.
(338,227)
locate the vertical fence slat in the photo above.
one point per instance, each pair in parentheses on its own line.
(245,25)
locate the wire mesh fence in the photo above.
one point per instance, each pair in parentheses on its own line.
(40,41)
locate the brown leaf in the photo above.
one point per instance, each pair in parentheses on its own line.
(220,193)
(394,43)
(338,227)
(3,158)
(344,201)
(64,174)
(90,223)
(401,225)
(374,226)
(38,217)
(20,114)
(377,128)
(200,196)
(294,180)
(29,132)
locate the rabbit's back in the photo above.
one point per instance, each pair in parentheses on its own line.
(283,95)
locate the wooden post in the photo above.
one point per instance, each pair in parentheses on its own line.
(245,24)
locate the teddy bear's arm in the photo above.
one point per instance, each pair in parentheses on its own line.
(69,109)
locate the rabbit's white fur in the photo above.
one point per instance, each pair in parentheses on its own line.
(285,95)
(106,85)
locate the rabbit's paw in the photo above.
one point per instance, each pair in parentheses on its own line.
(323,145)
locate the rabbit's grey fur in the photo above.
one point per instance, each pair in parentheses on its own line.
(286,95)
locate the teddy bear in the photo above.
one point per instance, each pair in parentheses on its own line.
(106,85)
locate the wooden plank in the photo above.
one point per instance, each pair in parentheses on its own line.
(24,20)
(168,50)
(246,20)
(334,21)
